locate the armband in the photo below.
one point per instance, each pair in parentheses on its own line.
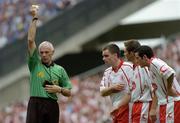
(34,19)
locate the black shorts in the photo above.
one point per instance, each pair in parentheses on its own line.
(42,110)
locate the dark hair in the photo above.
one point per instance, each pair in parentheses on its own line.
(131,45)
(113,48)
(145,50)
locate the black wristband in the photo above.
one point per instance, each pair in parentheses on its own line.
(34,19)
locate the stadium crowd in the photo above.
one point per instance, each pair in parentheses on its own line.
(14,17)
(170,52)
(86,104)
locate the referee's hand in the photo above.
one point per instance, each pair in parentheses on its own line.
(52,88)
(34,10)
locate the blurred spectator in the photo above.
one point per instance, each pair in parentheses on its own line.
(170,52)
(3,40)
(14,18)
(15,113)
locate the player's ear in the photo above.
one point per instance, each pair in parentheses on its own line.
(115,54)
(52,52)
(145,57)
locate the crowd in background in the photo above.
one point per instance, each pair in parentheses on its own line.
(14,17)
(170,52)
(86,104)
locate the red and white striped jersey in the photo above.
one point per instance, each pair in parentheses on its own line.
(122,75)
(160,71)
(169,113)
(141,85)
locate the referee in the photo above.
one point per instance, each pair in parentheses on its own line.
(46,79)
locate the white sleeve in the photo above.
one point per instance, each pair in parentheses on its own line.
(104,81)
(163,68)
(166,71)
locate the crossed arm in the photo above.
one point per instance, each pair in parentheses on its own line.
(58,89)
(106,91)
(115,89)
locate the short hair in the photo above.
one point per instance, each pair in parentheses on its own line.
(113,48)
(145,50)
(132,45)
(46,43)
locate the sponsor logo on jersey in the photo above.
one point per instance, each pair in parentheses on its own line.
(163,69)
(40,74)
(133,85)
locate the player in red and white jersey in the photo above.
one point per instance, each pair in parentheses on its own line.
(165,85)
(141,95)
(115,83)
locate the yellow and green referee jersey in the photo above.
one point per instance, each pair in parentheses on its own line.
(39,73)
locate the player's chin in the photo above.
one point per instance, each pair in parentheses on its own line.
(45,61)
(141,65)
(106,62)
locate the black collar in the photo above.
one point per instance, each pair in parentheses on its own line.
(52,64)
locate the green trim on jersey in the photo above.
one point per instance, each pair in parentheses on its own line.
(39,73)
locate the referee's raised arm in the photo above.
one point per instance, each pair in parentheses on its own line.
(32,29)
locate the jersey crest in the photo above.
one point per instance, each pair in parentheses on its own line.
(40,74)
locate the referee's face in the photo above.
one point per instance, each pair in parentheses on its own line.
(46,54)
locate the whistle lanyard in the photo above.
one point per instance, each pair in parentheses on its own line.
(48,71)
